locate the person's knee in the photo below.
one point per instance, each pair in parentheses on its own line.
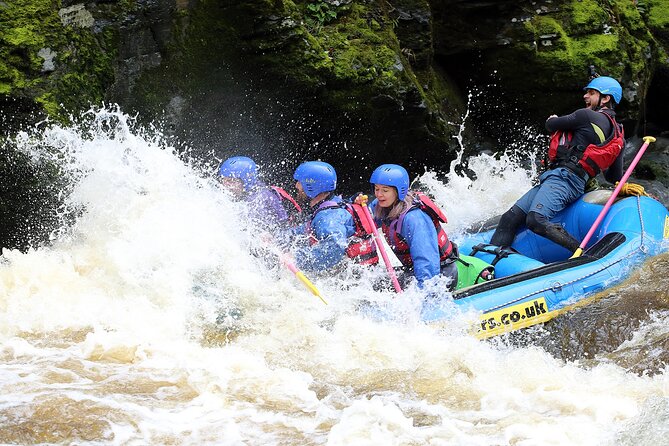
(536,223)
(507,226)
(512,218)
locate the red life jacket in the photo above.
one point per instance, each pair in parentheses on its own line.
(361,247)
(594,158)
(290,205)
(400,247)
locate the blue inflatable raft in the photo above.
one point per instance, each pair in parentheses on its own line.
(537,280)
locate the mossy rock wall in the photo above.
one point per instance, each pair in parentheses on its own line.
(538,52)
(57,59)
(351,69)
(656,118)
(52,57)
(334,80)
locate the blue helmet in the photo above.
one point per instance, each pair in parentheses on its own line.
(316,177)
(240,167)
(392,175)
(606,85)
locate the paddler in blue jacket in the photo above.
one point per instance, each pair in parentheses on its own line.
(334,228)
(266,210)
(411,223)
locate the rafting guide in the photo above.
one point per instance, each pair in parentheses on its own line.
(584,143)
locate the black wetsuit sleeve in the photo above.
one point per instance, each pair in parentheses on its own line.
(572,121)
(580,123)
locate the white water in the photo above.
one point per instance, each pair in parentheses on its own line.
(109,335)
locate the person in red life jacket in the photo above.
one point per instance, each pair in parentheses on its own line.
(335,229)
(411,223)
(583,143)
(268,206)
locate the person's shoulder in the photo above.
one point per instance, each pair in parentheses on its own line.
(269,194)
(330,211)
(417,215)
(585,111)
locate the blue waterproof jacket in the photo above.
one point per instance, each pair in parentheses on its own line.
(419,233)
(331,228)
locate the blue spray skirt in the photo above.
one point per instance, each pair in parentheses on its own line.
(540,281)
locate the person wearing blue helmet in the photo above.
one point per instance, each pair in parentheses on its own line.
(335,229)
(412,224)
(267,205)
(583,144)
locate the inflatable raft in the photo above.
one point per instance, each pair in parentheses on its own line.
(537,280)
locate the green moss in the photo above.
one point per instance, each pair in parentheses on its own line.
(548,26)
(554,59)
(352,63)
(658,13)
(127,5)
(616,52)
(587,15)
(83,62)
(49,104)
(361,54)
(599,50)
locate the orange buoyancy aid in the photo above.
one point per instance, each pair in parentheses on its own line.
(400,247)
(361,247)
(592,159)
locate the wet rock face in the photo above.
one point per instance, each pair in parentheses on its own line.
(403,67)
(412,58)
(338,78)
(542,49)
(145,33)
(415,32)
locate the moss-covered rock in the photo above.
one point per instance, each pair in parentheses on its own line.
(54,61)
(52,56)
(337,67)
(657,12)
(610,35)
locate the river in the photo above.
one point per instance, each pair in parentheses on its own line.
(147,322)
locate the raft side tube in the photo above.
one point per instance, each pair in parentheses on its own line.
(597,252)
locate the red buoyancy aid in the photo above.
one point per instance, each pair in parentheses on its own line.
(293,209)
(595,157)
(361,247)
(400,247)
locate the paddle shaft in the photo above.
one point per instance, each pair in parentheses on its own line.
(616,191)
(380,247)
(303,278)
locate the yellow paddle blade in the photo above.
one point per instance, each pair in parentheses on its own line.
(310,285)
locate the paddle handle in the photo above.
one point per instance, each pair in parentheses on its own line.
(380,247)
(616,191)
